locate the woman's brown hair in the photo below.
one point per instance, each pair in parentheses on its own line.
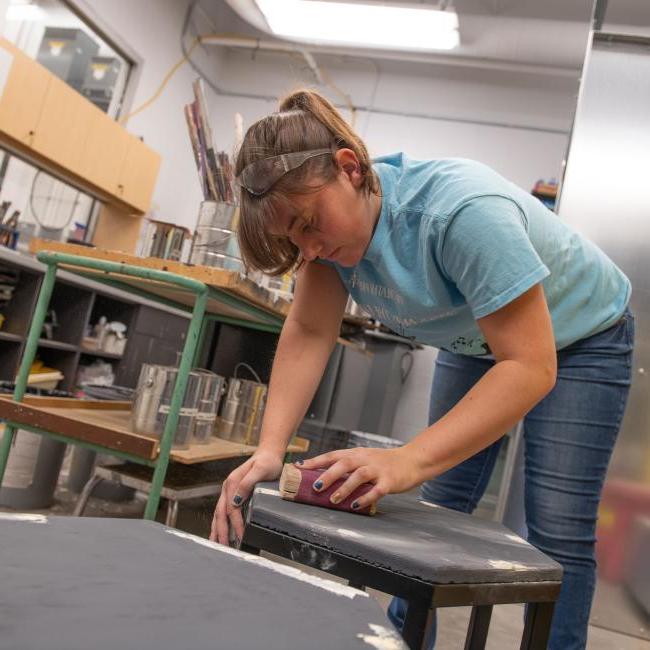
(305,121)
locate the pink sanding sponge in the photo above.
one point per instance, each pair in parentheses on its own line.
(297,484)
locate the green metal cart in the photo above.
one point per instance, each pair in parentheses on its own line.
(111,272)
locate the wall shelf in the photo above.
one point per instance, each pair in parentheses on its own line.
(6,336)
(57,345)
(78,302)
(87,352)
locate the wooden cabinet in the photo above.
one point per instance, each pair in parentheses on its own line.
(116,231)
(50,124)
(138,174)
(104,153)
(23,96)
(64,126)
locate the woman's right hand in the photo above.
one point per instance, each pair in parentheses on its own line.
(261,466)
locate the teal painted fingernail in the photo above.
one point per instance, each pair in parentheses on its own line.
(318,485)
(237,499)
(355,505)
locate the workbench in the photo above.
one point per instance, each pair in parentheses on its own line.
(104,427)
(71,584)
(428,555)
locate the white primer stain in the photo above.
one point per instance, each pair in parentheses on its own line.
(349,533)
(35,519)
(382,638)
(516,538)
(292,572)
(269,491)
(503,564)
(431,505)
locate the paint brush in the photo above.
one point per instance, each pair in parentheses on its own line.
(196,148)
(297,484)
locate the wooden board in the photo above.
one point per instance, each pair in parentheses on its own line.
(101,423)
(183,298)
(103,427)
(218,449)
(229,281)
(69,402)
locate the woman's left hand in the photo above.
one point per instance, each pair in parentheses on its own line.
(390,470)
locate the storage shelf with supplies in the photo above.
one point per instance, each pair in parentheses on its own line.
(208,292)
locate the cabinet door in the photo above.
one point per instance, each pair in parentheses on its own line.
(138,175)
(63,126)
(104,151)
(23,95)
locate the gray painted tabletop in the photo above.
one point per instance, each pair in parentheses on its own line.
(411,538)
(69,583)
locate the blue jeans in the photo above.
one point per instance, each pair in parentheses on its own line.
(568,438)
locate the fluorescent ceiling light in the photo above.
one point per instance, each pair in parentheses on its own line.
(20,10)
(362,25)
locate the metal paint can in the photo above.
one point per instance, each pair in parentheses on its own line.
(242,412)
(189,407)
(212,389)
(215,239)
(151,384)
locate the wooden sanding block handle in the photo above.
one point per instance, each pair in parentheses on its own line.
(297,484)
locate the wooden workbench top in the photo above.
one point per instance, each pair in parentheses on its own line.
(108,424)
(230,282)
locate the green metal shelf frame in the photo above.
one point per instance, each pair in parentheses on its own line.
(202,292)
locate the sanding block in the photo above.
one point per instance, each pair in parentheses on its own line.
(297,484)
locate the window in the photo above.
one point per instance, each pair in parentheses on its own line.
(53,34)
(50,32)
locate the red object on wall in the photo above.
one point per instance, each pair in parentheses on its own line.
(622,502)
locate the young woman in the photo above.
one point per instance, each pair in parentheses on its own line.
(531,320)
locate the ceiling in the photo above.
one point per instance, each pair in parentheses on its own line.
(547,37)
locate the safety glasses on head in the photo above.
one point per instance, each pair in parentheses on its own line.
(260,176)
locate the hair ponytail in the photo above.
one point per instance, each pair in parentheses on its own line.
(344,137)
(305,121)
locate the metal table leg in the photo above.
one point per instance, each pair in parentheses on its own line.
(477,631)
(167,438)
(31,345)
(417,623)
(537,627)
(172,513)
(91,484)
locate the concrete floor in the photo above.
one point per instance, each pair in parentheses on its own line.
(507,620)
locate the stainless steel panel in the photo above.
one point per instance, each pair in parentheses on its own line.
(605,194)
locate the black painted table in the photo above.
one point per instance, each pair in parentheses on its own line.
(431,556)
(69,583)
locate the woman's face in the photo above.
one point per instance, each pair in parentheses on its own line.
(333,223)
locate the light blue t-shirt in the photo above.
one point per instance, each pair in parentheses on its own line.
(455,242)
